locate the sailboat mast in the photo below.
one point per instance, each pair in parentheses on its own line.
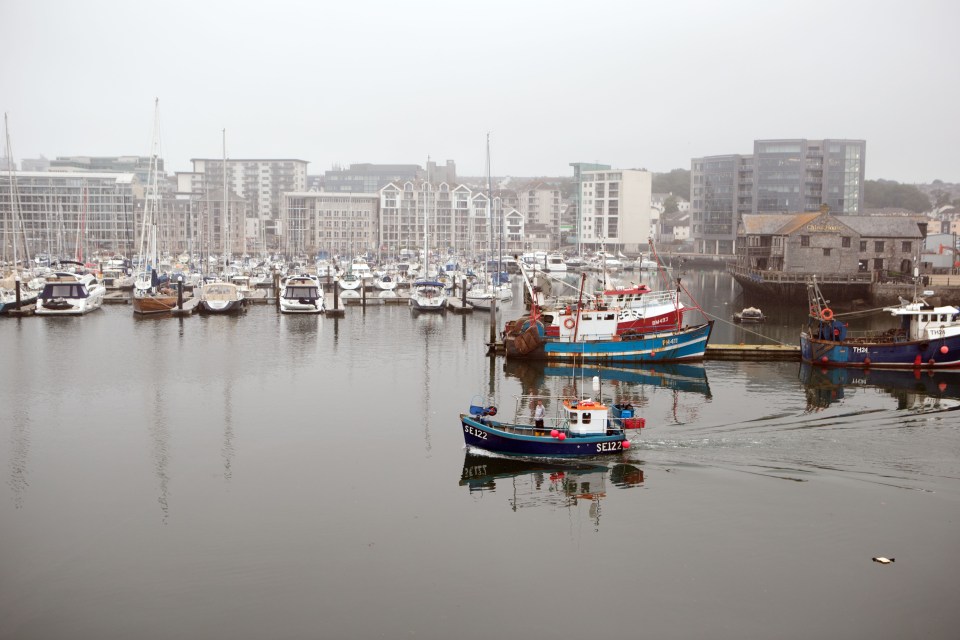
(494,289)
(13,213)
(226,209)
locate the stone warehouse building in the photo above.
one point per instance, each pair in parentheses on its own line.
(829,245)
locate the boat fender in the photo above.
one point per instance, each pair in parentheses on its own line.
(826,314)
(569,323)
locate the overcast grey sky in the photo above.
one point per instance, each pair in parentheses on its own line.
(634,84)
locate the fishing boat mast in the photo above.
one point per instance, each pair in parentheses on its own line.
(495,298)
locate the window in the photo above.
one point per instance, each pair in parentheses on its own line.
(804,241)
(845,242)
(906,246)
(863,245)
(826,252)
(878,263)
(878,246)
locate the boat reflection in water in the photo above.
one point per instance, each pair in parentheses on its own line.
(546,482)
(680,377)
(917,390)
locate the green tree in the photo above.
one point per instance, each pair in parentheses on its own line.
(670,205)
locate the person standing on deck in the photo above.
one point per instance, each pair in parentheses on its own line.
(538,415)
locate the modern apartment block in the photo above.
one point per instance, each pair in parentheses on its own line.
(615,209)
(341,224)
(443,217)
(261,182)
(781,176)
(368,178)
(137,165)
(69,215)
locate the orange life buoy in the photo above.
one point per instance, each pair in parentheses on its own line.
(826,314)
(569,322)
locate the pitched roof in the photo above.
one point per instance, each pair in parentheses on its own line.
(884,226)
(796,221)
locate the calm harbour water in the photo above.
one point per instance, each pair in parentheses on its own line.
(273,476)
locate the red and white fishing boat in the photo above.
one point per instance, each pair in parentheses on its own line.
(639,308)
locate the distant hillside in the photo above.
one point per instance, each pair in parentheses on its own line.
(881,194)
(676,182)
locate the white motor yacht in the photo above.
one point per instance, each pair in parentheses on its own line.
(70,294)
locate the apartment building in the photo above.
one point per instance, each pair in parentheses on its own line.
(781,176)
(69,214)
(616,209)
(445,217)
(343,224)
(261,182)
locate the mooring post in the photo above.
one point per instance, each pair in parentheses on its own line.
(179,292)
(16,286)
(276,288)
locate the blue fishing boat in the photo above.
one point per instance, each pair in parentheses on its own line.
(923,336)
(570,427)
(591,335)
(592,332)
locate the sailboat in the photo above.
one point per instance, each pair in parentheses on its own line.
(223,296)
(152,293)
(12,286)
(427,294)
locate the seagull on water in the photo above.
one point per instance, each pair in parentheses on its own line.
(883,560)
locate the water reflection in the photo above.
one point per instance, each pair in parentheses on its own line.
(916,390)
(546,483)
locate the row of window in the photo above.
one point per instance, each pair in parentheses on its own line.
(906,246)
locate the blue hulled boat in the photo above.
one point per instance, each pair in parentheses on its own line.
(924,336)
(576,428)
(591,335)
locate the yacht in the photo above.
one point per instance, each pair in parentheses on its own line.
(556,263)
(221,297)
(70,294)
(301,294)
(427,295)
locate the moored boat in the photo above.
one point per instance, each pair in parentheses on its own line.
(427,295)
(70,294)
(221,298)
(301,294)
(749,315)
(923,336)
